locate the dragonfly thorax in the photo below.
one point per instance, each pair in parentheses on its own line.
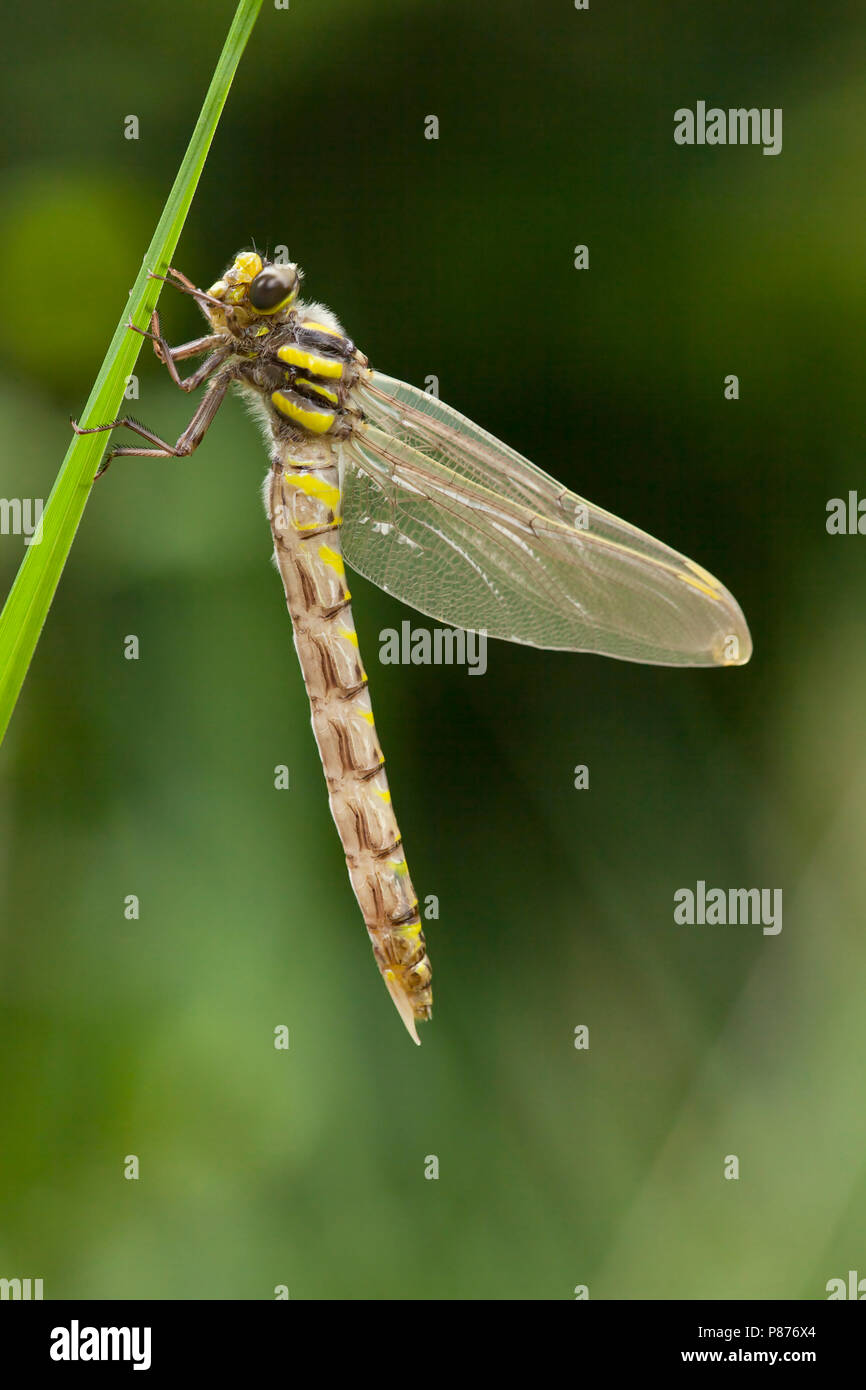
(294,357)
(303,371)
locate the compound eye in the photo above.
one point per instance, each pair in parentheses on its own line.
(273,288)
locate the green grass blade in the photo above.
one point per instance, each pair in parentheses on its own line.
(30,597)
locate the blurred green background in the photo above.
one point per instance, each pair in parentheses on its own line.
(558,1167)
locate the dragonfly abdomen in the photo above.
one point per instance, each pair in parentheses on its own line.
(303,501)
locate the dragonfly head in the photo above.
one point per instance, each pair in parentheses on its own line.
(252,289)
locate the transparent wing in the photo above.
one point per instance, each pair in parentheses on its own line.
(447,518)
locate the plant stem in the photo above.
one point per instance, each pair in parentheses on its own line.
(31,594)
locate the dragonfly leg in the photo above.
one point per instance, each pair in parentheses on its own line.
(168,355)
(180,282)
(186,444)
(183,281)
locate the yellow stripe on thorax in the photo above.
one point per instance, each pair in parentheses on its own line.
(316,421)
(319,389)
(310,361)
(322,327)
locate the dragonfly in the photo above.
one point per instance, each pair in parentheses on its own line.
(369,470)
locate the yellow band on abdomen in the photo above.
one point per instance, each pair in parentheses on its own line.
(316,487)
